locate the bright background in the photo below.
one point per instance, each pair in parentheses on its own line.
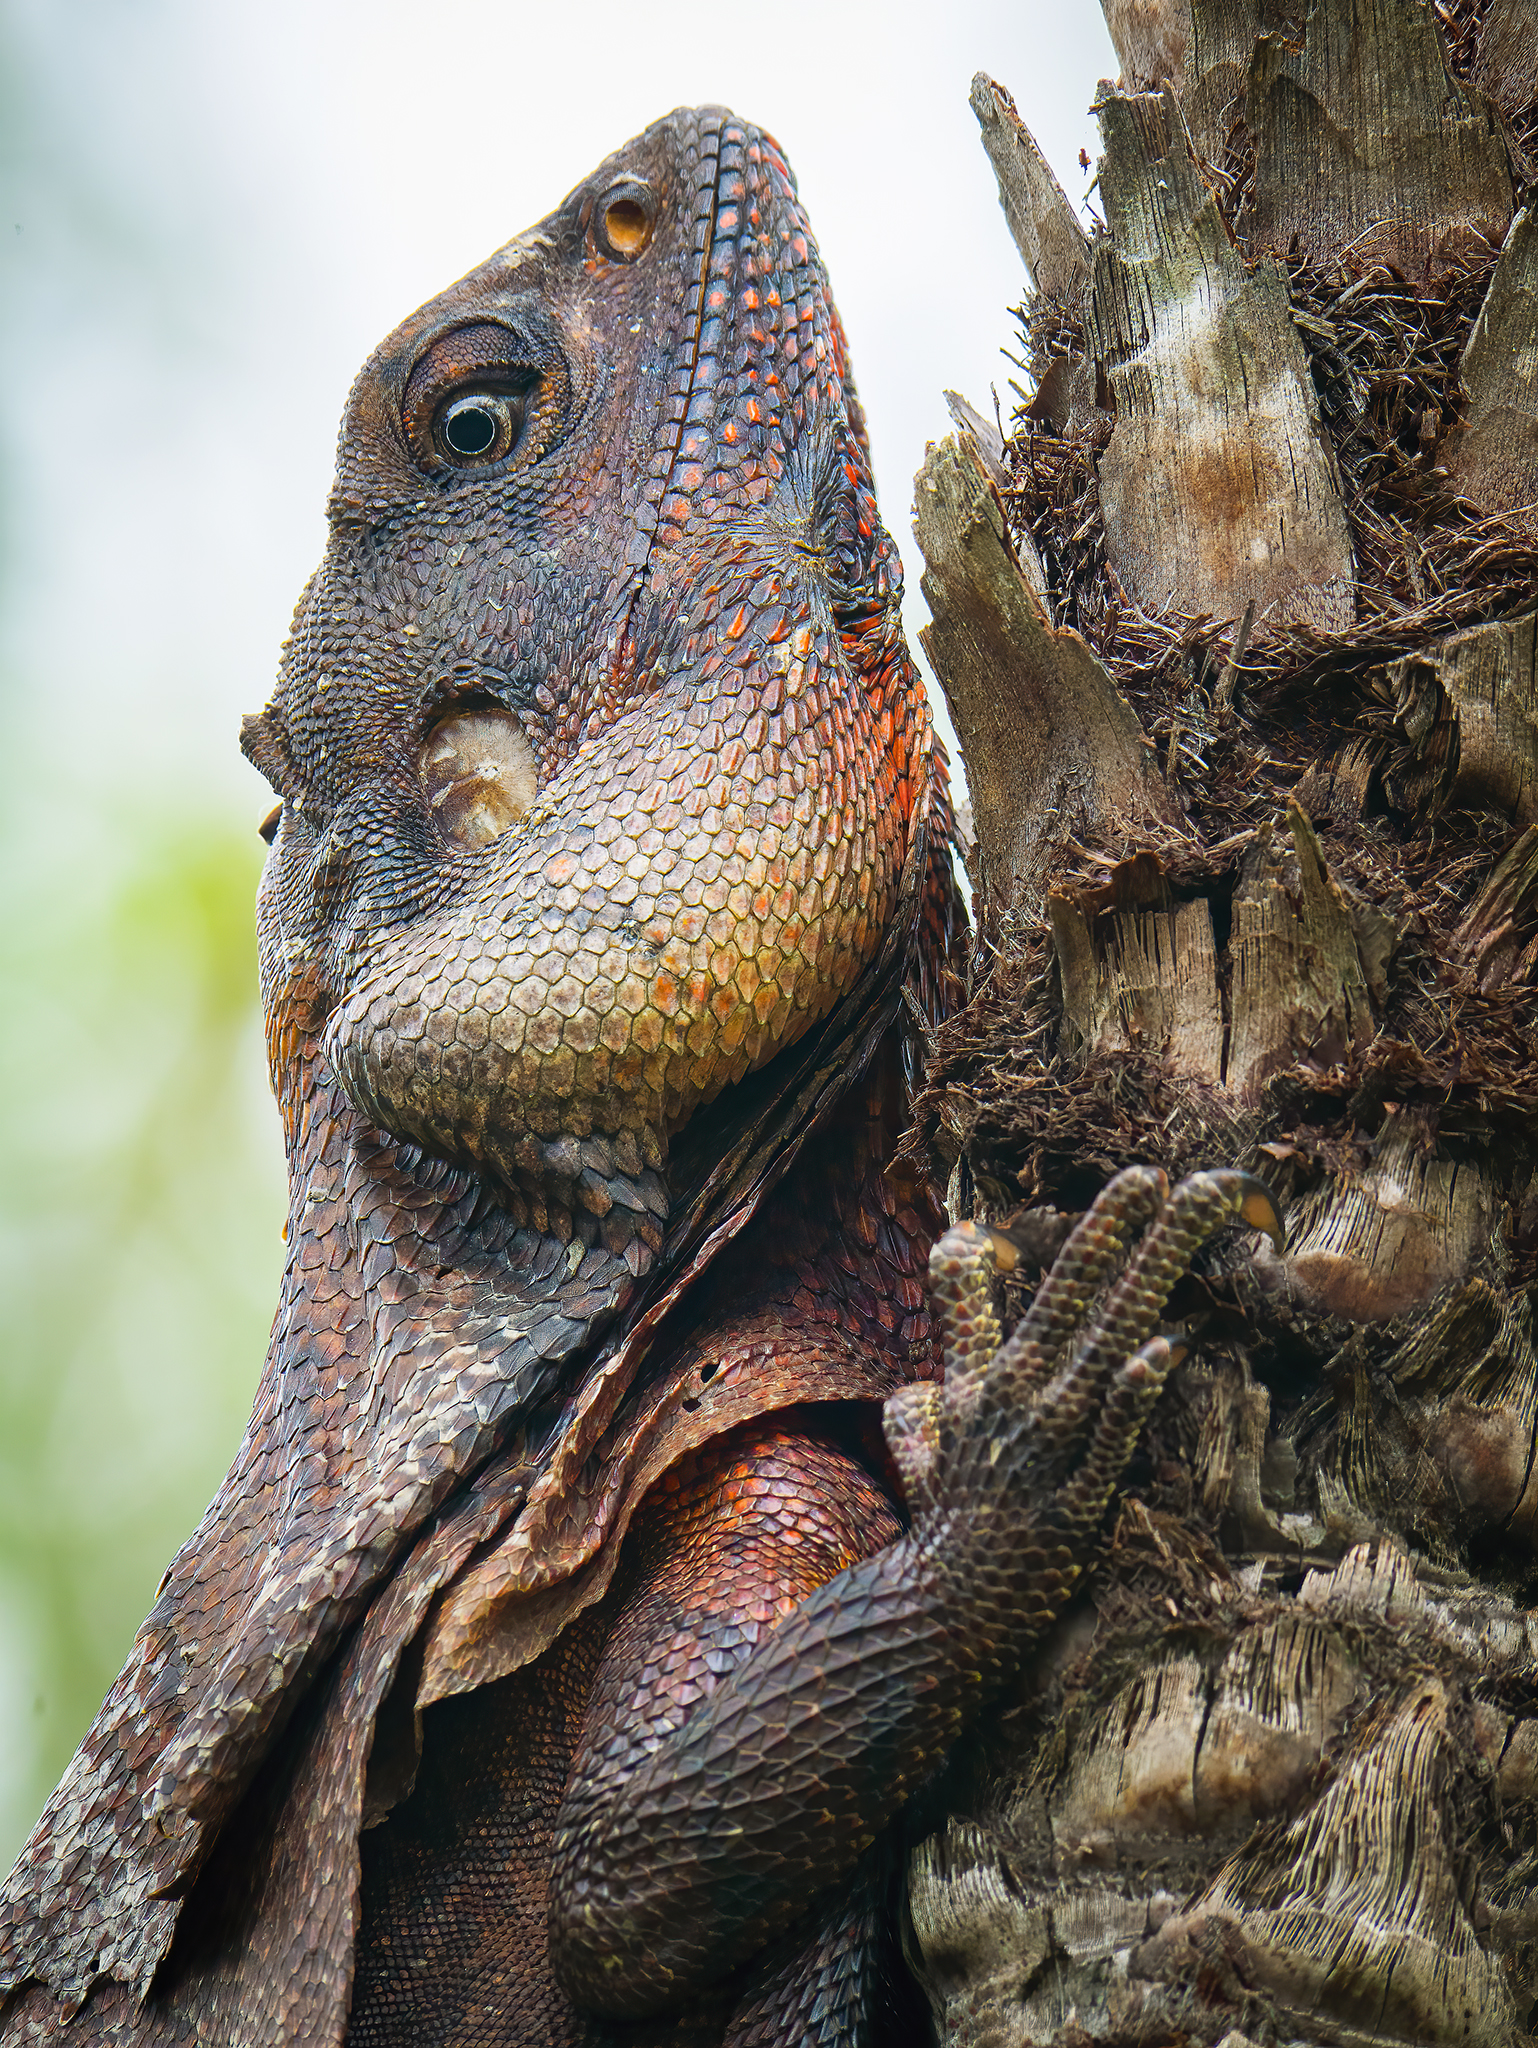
(211,214)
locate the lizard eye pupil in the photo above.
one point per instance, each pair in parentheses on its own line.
(479,426)
(469,429)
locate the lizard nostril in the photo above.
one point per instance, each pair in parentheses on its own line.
(480,775)
(625,224)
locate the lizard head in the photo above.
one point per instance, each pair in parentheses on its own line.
(597,742)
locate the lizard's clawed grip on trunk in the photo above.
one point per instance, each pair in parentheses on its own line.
(679,1858)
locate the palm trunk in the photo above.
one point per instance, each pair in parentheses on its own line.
(1240,635)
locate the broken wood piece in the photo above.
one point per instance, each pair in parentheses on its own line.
(1139,971)
(1468,705)
(1358,1911)
(1368,147)
(990,446)
(1142,1779)
(1498,934)
(1238,646)
(1043,223)
(1067,398)
(1373,1245)
(1494,456)
(1051,746)
(1208,508)
(1241,1464)
(1338,789)
(1300,984)
(1447,1459)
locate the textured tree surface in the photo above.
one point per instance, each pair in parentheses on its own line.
(1240,634)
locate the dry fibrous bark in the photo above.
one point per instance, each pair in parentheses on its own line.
(1275,493)
(1046,230)
(1216,486)
(1051,734)
(1496,460)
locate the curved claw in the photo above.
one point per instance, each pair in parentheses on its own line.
(1006,1253)
(1200,1205)
(1259,1208)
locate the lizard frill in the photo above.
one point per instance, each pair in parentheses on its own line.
(546,1025)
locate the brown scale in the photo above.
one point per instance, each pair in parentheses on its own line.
(453,1945)
(612,848)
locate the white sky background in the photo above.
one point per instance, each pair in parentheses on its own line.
(217,210)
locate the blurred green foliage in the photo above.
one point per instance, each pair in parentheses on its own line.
(140,1211)
(141,1184)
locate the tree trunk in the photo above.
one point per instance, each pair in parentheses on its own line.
(1240,635)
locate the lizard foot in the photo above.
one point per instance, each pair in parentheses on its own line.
(1037,1429)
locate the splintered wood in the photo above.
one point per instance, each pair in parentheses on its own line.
(1046,230)
(1217,488)
(1374,1245)
(1299,984)
(1498,934)
(1449,1457)
(1469,707)
(1151,982)
(1366,146)
(1238,629)
(1495,458)
(1051,745)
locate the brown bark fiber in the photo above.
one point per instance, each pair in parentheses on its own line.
(1239,633)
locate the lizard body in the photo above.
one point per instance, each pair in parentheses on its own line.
(553,1658)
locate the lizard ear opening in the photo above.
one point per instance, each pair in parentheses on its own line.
(480,775)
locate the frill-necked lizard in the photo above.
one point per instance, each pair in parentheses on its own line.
(554,1658)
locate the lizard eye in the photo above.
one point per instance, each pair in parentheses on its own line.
(479,426)
(486,395)
(624,220)
(480,775)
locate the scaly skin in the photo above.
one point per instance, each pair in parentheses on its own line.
(600,875)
